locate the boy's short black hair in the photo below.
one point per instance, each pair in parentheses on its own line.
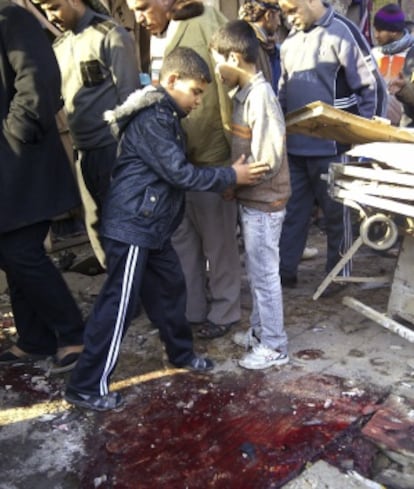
(186,64)
(236,36)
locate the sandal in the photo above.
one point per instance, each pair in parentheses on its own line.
(15,355)
(211,330)
(67,361)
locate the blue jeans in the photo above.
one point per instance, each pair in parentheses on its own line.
(261,233)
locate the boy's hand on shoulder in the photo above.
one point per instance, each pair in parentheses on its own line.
(249,173)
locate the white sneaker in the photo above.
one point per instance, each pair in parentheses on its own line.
(263,357)
(309,252)
(246,339)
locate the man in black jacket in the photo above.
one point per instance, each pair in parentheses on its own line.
(36,184)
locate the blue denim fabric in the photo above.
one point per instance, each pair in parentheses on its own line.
(261,233)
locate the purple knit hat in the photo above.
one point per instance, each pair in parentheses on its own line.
(390,18)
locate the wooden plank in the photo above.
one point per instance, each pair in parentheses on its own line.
(332,275)
(379,280)
(372,174)
(379,318)
(372,201)
(401,300)
(374,188)
(324,121)
(392,427)
(395,155)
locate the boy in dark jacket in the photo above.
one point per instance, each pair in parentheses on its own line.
(144,207)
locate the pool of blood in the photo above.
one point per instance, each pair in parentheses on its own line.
(251,431)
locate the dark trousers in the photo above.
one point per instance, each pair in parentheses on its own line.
(152,277)
(45,313)
(307,185)
(94,175)
(96,165)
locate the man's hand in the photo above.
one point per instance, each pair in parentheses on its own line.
(394,86)
(249,173)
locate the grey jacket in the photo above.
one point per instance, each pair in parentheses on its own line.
(258,131)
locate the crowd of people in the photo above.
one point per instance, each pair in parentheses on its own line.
(170,173)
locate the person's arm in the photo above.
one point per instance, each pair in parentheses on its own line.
(406,94)
(37,84)
(167,159)
(265,119)
(281,94)
(362,74)
(122,62)
(403,90)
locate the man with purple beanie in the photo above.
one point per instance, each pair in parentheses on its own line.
(392,52)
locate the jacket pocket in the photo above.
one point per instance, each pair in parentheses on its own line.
(92,74)
(149,203)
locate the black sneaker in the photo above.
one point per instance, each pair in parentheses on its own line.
(199,364)
(110,401)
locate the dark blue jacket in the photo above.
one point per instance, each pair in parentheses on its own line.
(145,203)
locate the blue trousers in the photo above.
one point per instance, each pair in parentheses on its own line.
(45,313)
(135,275)
(307,186)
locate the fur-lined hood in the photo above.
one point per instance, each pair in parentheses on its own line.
(119,117)
(186,9)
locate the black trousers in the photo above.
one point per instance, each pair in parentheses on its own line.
(135,275)
(45,313)
(94,169)
(97,165)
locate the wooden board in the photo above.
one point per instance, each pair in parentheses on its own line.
(395,155)
(366,172)
(337,170)
(374,188)
(392,425)
(324,121)
(401,300)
